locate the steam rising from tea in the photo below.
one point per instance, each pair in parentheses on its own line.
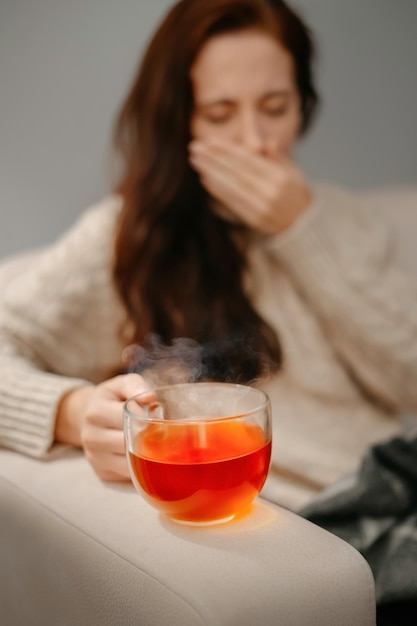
(187,361)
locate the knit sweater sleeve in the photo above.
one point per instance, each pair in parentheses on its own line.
(49,313)
(340,257)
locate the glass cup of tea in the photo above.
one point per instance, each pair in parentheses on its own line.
(199,452)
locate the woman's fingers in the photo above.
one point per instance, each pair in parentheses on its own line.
(110,467)
(102,434)
(99,439)
(125,386)
(228,191)
(252,200)
(267,195)
(242,171)
(233,157)
(105,408)
(245,182)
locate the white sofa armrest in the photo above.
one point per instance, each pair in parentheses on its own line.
(76,551)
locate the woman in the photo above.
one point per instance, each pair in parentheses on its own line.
(215,236)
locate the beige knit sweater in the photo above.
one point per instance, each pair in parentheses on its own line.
(346,318)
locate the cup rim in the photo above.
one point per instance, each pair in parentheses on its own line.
(189,420)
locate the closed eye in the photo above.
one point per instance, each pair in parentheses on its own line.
(276,111)
(218,112)
(276,104)
(217,119)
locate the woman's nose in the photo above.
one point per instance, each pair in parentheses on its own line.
(250,133)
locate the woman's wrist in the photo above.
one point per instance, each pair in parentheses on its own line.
(69,415)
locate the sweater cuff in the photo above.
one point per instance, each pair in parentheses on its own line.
(330,242)
(303,239)
(29,402)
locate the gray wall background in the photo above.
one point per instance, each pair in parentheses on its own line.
(65,66)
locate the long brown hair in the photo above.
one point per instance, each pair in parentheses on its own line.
(177,267)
